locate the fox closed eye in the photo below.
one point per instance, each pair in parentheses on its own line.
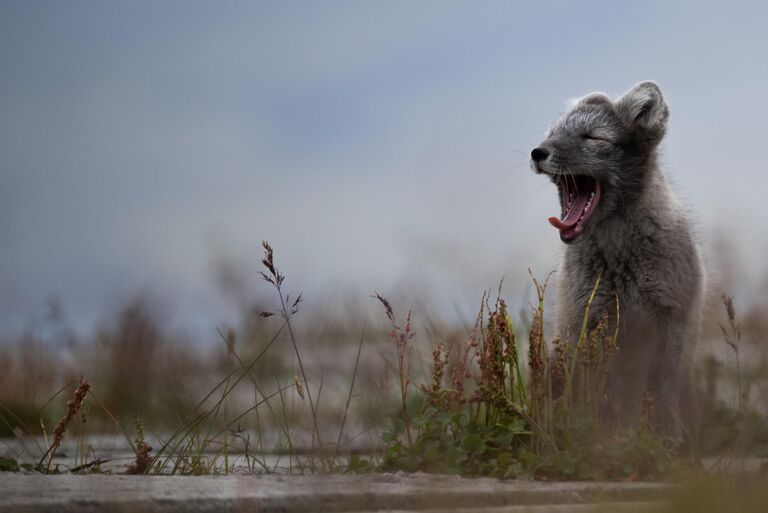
(593,137)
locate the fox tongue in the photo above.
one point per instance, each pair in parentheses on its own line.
(573,214)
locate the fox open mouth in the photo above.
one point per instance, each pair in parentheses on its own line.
(579,195)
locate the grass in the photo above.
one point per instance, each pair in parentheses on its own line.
(506,401)
(481,416)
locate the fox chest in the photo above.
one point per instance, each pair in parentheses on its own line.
(628,276)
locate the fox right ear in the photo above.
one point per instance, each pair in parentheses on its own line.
(644,108)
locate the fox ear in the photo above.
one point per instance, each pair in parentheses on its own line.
(595,99)
(643,107)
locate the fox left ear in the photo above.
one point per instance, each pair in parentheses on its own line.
(643,107)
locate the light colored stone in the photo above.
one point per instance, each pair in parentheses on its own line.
(287,494)
(605,507)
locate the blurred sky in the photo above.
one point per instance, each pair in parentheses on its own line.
(376,145)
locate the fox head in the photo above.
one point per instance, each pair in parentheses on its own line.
(599,154)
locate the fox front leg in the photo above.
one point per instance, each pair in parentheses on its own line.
(667,375)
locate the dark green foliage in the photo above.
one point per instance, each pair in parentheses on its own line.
(8,465)
(358,465)
(454,443)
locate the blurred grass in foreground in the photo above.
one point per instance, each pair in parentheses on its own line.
(320,391)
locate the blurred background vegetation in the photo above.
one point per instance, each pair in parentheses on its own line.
(140,368)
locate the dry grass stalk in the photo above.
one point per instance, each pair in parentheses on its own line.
(560,363)
(460,371)
(143,459)
(439,360)
(732,337)
(73,407)
(276,278)
(537,354)
(401,338)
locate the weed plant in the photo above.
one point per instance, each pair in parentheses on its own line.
(485,414)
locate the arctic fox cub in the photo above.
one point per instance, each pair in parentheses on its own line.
(621,221)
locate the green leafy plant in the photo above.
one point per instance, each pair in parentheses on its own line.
(485,413)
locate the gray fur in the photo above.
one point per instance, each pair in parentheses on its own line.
(640,241)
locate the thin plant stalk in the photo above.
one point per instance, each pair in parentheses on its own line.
(349,397)
(276,279)
(194,419)
(259,391)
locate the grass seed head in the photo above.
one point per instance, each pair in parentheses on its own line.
(274,277)
(73,406)
(299,387)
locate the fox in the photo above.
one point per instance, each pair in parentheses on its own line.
(622,222)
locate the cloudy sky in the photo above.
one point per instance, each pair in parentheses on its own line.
(376,145)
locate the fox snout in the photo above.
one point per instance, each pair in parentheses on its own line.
(538,155)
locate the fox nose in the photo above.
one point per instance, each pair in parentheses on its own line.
(539,154)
